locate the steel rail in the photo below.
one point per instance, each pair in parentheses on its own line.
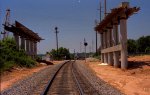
(52,79)
(77,82)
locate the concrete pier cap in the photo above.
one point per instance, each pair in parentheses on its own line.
(124,5)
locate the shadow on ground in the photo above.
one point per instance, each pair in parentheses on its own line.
(138,64)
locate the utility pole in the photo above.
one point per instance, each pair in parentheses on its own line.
(56,28)
(96,36)
(100,11)
(96,22)
(105,11)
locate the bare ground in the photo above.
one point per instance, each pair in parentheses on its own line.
(134,81)
(10,77)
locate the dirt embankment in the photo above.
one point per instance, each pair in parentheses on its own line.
(134,81)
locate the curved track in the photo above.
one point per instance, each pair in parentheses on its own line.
(67,81)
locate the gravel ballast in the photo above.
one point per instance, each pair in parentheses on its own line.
(34,84)
(101,86)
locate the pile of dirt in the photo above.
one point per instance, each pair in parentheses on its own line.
(46,62)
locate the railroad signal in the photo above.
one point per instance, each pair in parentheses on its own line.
(85,44)
(56,31)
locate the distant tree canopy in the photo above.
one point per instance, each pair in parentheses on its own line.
(63,53)
(141,45)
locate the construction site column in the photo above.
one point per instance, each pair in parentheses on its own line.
(102,55)
(115,42)
(22,42)
(27,46)
(16,37)
(35,48)
(110,57)
(105,45)
(31,48)
(123,40)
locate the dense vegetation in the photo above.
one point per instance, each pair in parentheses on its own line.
(10,56)
(62,53)
(139,46)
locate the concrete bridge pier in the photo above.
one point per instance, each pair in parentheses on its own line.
(123,40)
(22,42)
(115,42)
(109,38)
(102,46)
(16,36)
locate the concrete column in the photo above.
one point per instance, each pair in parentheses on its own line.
(108,38)
(35,48)
(33,51)
(16,37)
(27,46)
(31,48)
(104,40)
(115,42)
(105,57)
(22,43)
(102,55)
(115,35)
(111,42)
(123,40)
(101,40)
(105,46)
(110,57)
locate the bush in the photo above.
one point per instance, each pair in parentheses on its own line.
(8,65)
(10,56)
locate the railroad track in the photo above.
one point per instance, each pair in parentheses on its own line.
(68,81)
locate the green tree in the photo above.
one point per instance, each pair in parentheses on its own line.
(63,53)
(143,43)
(10,56)
(132,46)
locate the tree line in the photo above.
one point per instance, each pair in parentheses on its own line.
(139,46)
(62,53)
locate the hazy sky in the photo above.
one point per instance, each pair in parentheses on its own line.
(74,19)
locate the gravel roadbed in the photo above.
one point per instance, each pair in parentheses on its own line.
(101,86)
(33,84)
